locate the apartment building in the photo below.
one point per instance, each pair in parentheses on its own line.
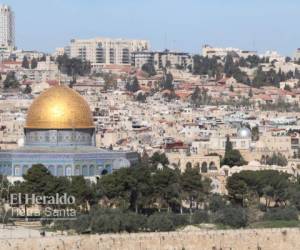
(104,51)
(161,59)
(7,28)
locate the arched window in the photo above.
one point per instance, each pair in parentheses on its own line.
(17,170)
(92,170)
(212,166)
(188,165)
(68,170)
(25,169)
(51,169)
(204,167)
(60,170)
(77,170)
(6,170)
(85,170)
(99,169)
(197,166)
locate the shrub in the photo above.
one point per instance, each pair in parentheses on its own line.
(116,220)
(81,225)
(232,216)
(132,222)
(216,203)
(179,219)
(288,213)
(160,222)
(200,216)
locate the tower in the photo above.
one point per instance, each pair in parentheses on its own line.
(7,27)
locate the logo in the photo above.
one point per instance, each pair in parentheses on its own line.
(41,207)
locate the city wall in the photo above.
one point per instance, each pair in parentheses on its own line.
(258,239)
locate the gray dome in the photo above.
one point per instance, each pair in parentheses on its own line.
(244,132)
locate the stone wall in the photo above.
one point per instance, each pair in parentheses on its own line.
(258,239)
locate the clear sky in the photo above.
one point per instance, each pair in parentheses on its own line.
(177,24)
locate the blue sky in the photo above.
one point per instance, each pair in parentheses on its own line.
(177,24)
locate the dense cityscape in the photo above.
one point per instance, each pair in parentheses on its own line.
(147,140)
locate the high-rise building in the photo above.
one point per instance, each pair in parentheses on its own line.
(102,51)
(7,27)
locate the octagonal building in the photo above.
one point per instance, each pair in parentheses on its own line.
(60,134)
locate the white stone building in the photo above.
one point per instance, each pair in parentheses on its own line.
(103,51)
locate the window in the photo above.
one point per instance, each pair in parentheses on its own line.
(17,171)
(77,170)
(99,169)
(60,170)
(25,169)
(92,170)
(68,170)
(51,169)
(85,171)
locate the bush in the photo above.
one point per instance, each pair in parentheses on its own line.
(216,203)
(81,225)
(200,216)
(160,222)
(179,219)
(116,220)
(132,222)
(288,213)
(232,216)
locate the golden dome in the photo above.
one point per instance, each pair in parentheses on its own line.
(59,107)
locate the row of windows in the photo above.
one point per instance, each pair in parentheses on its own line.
(60,170)
(204,167)
(60,138)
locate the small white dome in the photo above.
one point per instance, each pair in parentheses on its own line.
(244,132)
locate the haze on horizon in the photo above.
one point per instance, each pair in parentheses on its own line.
(173,24)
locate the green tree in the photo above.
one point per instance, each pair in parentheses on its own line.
(191,186)
(38,180)
(157,158)
(167,82)
(233,216)
(250,94)
(200,97)
(73,66)
(277,159)
(149,69)
(166,188)
(252,185)
(83,192)
(33,63)
(287,87)
(133,85)
(25,63)
(232,157)
(159,223)
(11,80)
